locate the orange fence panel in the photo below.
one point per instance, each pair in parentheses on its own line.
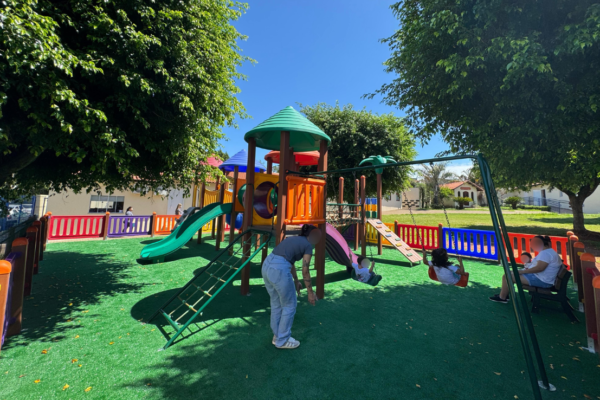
(305,201)
(164,224)
(521,242)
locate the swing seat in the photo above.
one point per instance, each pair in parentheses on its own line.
(372,282)
(462,282)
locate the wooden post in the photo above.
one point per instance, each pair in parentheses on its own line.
(248,212)
(214,222)
(576,267)
(234,213)
(396,229)
(440,240)
(105,226)
(320,247)
(356,214)
(570,249)
(38,256)
(588,261)
(30,235)
(572,240)
(363,218)
(270,166)
(18,286)
(201,205)
(340,197)
(379,216)
(36,252)
(44,223)
(153,225)
(48,217)
(221,220)
(282,190)
(5,270)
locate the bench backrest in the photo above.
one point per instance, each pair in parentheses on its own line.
(562,278)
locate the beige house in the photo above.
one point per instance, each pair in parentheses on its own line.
(542,195)
(403,199)
(467,189)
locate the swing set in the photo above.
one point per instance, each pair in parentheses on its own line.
(531,349)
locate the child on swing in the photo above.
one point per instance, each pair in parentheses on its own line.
(446,272)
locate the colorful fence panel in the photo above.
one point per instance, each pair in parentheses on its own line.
(521,242)
(418,236)
(470,242)
(372,234)
(129,226)
(75,227)
(164,224)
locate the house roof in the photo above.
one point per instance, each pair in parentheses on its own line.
(454,185)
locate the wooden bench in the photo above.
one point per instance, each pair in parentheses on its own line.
(557,293)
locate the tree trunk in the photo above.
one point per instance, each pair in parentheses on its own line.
(514,206)
(578,218)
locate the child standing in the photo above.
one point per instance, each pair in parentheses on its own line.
(446,272)
(365,274)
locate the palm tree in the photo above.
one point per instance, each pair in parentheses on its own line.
(433,176)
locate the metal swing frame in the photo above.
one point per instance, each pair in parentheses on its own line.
(529,341)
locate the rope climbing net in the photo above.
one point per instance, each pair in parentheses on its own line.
(342,214)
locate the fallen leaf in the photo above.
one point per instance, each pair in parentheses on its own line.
(44,351)
(498,373)
(586,396)
(37,381)
(148,384)
(563,377)
(551,366)
(79,365)
(88,389)
(112,343)
(516,397)
(418,386)
(20,376)
(70,304)
(246,376)
(576,359)
(73,361)
(87,311)
(65,387)
(76,336)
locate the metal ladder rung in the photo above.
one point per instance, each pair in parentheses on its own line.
(216,277)
(190,307)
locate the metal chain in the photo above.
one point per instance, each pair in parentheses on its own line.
(413,219)
(450,229)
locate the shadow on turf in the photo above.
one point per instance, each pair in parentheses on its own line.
(237,360)
(68,283)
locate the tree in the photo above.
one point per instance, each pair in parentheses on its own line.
(517,82)
(119,94)
(462,202)
(433,176)
(356,135)
(445,193)
(222,155)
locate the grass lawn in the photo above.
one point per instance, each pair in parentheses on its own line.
(539,223)
(409,338)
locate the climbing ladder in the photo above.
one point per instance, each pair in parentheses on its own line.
(190,301)
(399,244)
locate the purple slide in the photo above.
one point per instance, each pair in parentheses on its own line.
(338,248)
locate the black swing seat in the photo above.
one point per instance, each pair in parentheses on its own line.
(375,279)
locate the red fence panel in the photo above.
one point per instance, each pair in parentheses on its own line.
(410,234)
(75,226)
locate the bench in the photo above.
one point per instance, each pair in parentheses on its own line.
(557,293)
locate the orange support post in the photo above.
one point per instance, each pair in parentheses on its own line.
(572,240)
(18,286)
(201,205)
(5,270)
(356,214)
(363,218)
(283,185)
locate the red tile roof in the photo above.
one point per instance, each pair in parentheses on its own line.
(454,185)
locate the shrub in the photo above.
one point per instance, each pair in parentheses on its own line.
(540,208)
(513,201)
(462,201)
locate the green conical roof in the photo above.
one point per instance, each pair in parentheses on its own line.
(304,135)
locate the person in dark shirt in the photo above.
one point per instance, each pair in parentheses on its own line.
(281,281)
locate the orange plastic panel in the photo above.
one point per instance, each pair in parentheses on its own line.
(305,201)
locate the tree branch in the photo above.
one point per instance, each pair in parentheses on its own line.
(14,163)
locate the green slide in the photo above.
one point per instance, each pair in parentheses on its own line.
(156,252)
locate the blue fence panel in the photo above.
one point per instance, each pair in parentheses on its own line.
(470,242)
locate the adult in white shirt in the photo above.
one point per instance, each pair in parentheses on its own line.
(543,270)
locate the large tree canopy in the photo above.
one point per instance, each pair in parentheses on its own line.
(114,92)
(356,135)
(519,82)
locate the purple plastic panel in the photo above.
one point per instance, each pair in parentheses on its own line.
(349,234)
(129,226)
(8,314)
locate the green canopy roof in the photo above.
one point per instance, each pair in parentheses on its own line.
(304,135)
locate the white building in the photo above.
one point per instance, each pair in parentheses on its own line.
(541,195)
(467,189)
(403,199)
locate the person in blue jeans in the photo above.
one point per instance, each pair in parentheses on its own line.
(281,281)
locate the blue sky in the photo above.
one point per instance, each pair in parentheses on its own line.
(314,51)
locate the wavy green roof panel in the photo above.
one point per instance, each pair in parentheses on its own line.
(304,135)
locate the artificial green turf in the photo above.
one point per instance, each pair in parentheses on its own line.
(408,338)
